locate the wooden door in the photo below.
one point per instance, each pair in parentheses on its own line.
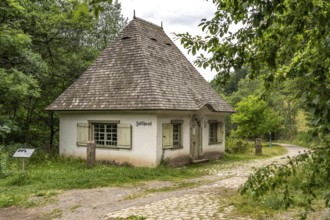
(195,139)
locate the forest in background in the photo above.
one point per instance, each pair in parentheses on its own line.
(45,46)
(273,115)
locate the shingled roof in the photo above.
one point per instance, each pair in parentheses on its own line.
(141,70)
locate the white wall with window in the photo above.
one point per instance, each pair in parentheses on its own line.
(168,135)
(214,133)
(141,138)
(173,135)
(117,136)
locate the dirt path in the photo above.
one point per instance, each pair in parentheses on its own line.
(199,201)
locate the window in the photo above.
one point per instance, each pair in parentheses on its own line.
(109,134)
(105,134)
(177,134)
(215,132)
(172,134)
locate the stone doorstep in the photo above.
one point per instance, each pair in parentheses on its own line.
(199,160)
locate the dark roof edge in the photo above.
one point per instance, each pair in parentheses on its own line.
(148,22)
(137,110)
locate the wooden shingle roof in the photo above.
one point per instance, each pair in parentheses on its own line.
(141,70)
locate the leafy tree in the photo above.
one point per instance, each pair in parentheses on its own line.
(108,24)
(45,46)
(255,118)
(232,85)
(245,88)
(277,40)
(283,100)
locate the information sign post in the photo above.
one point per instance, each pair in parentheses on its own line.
(23,153)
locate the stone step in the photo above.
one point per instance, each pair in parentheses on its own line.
(202,160)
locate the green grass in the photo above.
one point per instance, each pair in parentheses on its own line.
(46,178)
(267,152)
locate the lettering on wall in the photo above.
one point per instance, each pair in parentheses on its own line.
(143,123)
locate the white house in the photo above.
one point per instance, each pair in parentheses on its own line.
(142,102)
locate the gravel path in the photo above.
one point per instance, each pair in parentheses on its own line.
(198,202)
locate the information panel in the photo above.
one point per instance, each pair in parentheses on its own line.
(23,152)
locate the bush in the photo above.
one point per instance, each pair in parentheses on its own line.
(306,139)
(235,146)
(3,163)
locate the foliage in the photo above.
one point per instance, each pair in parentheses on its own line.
(279,98)
(306,172)
(255,118)
(45,46)
(234,146)
(3,163)
(306,139)
(277,41)
(246,88)
(232,85)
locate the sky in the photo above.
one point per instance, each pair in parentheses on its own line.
(178,16)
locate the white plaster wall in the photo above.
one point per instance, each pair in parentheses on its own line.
(144,138)
(220,147)
(166,117)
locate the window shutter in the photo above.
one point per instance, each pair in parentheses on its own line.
(124,136)
(167,135)
(82,134)
(220,132)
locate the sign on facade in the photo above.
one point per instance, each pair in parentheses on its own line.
(143,123)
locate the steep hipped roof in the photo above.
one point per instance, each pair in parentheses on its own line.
(141,70)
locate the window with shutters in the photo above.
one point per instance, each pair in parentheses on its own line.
(172,134)
(107,134)
(215,132)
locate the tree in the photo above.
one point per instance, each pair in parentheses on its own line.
(108,24)
(45,46)
(232,85)
(277,40)
(255,118)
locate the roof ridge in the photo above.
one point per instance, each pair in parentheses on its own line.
(148,22)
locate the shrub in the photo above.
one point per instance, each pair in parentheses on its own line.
(3,163)
(235,146)
(306,139)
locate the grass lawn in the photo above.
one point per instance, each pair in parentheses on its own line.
(50,176)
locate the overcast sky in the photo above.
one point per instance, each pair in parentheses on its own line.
(178,16)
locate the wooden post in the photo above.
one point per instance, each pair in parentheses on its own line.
(90,154)
(258,146)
